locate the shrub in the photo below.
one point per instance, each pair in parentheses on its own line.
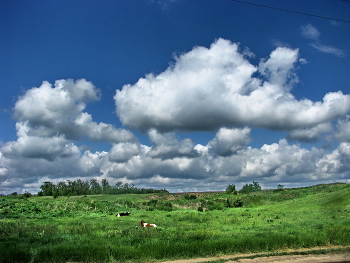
(189,197)
(234,202)
(280,187)
(26,194)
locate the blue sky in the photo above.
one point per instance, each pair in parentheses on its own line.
(176,94)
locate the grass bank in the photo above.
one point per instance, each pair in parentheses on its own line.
(85,228)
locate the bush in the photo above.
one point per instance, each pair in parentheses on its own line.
(189,197)
(234,202)
(280,187)
(26,194)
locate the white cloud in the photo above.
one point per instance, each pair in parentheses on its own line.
(59,112)
(311,134)
(328,49)
(164,3)
(310,32)
(269,165)
(278,68)
(122,152)
(210,88)
(229,141)
(343,129)
(167,146)
(37,147)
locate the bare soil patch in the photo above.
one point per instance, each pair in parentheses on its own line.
(306,255)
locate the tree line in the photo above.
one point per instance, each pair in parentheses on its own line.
(92,187)
(246,189)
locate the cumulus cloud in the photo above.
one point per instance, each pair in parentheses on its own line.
(229,141)
(311,134)
(167,146)
(343,129)
(49,118)
(122,152)
(49,111)
(271,164)
(208,88)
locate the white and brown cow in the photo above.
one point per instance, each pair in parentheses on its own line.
(144,224)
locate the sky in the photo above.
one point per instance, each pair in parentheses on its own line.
(183,95)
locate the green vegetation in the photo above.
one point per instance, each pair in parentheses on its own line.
(91,187)
(86,229)
(250,188)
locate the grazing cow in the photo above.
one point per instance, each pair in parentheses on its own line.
(123,214)
(144,224)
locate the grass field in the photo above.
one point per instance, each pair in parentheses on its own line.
(86,229)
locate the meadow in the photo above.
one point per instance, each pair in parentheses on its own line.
(86,229)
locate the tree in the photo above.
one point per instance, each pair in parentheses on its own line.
(47,188)
(106,188)
(249,188)
(231,189)
(95,188)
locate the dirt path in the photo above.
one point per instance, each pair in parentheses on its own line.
(265,258)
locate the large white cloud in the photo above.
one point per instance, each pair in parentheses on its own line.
(49,111)
(208,88)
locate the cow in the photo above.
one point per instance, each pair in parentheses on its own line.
(123,214)
(144,224)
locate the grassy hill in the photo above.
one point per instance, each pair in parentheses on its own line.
(86,229)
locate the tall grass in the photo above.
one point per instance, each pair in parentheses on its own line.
(85,229)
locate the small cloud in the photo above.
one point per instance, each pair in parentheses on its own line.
(328,49)
(164,3)
(310,32)
(303,61)
(279,43)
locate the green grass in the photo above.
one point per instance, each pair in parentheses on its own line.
(85,229)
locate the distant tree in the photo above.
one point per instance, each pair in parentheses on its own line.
(249,188)
(55,194)
(280,187)
(14,194)
(27,194)
(106,188)
(91,187)
(47,188)
(62,189)
(95,187)
(82,187)
(231,189)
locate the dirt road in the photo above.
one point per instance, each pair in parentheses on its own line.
(265,258)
